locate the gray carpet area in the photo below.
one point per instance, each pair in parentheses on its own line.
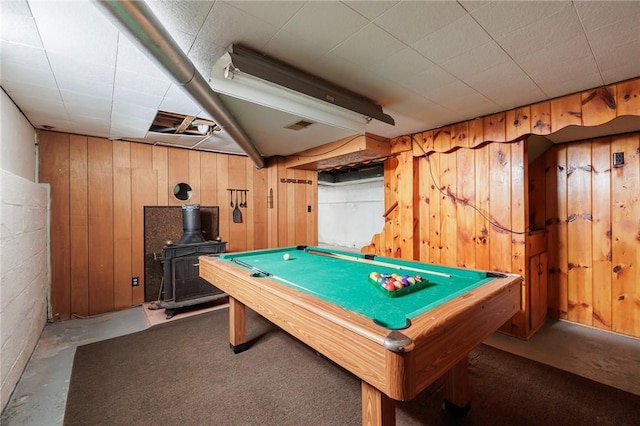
(183,372)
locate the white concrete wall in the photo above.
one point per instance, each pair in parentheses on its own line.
(349,214)
(24,272)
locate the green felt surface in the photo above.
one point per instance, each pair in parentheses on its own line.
(346,283)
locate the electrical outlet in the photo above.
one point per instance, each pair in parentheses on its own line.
(618,159)
(135,282)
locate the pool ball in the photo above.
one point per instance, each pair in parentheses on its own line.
(286,256)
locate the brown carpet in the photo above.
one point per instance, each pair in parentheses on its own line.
(184,373)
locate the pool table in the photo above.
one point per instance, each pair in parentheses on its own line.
(396,343)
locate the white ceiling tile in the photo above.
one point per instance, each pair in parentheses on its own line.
(330,22)
(274,14)
(597,14)
(542,35)
(428,80)
(154,86)
(17,25)
(185,17)
(132,60)
(617,65)
(87,35)
(287,47)
(68,68)
(503,17)
(204,54)
(176,100)
(13,73)
(410,21)
(605,38)
(23,55)
(370,9)
(462,35)
(402,64)
(475,61)
(226,25)
(506,85)
(368,46)
(30,88)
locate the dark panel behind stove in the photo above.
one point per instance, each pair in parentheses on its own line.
(162,223)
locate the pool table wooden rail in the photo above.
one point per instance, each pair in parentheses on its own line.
(315,322)
(439,340)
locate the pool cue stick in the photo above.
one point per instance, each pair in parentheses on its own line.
(269,274)
(375,262)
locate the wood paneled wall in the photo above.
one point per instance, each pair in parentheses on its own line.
(98,192)
(593,222)
(458,209)
(454,195)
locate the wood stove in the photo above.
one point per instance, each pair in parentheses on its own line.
(182,285)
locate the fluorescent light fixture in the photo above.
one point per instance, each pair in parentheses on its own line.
(248,75)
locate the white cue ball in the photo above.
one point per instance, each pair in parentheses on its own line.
(286,256)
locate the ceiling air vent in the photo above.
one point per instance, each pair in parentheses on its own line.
(299,125)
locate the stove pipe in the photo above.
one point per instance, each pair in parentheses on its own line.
(191,232)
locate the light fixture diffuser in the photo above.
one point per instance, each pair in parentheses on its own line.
(245,74)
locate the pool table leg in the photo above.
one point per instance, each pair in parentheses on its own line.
(237,326)
(457,391)
(377,408)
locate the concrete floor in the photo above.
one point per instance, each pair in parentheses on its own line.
(40,396)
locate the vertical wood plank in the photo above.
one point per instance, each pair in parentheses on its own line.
(537,194)
(273,203)
(519,227)
(194,177)
(566,111)
(160,165)
(141,156)
(518,123)
(601,236)
(562,237)
(552,225)
(143,193)
(448,210)
(424,210)
(122,224)
(100,204)
(237,180)
(476,132)
(79,219)
(628,96)
(435,222)
(391,231)
(54,170)
(311,203)
(250,211)
(300,208)
(541,118)
(177,172)
(483,243)
(494,127)
(579,267)
(599,106)
(500,206)
(465,215)
(405,204)
(224,197)
(208,178)
(259,200)
(625,215)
